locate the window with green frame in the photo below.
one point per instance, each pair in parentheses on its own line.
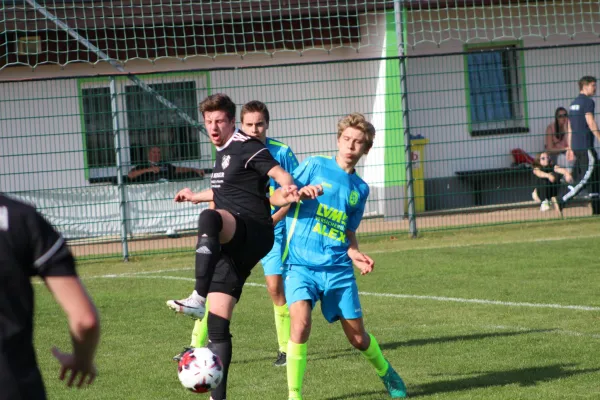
(148,124)
(496,91)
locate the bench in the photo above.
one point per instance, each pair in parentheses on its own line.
(498,178)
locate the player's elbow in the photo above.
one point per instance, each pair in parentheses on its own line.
(281,176)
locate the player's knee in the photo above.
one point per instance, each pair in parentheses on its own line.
(218,328)
(276,293)
(359,341)
(210,223)
(300,330)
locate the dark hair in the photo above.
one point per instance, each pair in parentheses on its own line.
(538,164)
(559,135)
(218,102)
(255,106)
(586,80)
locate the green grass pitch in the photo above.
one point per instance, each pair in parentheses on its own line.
(490,313)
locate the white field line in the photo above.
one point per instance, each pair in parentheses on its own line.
(520,328)
(435,298)
(145,274)
(453,246)
(124,274)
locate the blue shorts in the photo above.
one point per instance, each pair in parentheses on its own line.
(271,263)
(335,287)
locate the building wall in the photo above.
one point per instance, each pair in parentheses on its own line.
(42,135)
(46,146)
(438,104)
(41,144)
(44,149)
(436,85)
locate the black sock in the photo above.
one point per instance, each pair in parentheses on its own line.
(220,344)
(208,253)
(208,249)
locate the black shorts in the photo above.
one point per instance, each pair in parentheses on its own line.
(251,241)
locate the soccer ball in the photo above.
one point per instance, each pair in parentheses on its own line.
(200,370)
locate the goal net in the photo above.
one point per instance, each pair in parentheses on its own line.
(155,29)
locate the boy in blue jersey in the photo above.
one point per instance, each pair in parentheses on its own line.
(321,248)
(255,123)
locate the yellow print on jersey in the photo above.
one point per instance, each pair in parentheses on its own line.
(331,223)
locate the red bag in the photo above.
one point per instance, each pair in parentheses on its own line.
(521,157)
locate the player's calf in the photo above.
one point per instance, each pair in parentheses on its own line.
(219,338)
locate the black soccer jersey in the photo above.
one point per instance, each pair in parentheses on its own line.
(239,179)
(29,246)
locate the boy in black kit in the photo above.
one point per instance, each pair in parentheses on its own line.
(238,232)
(29,247)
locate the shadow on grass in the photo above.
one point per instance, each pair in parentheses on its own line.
(373,394)
(523,376)
(260,360)
(435,340)
(458,338)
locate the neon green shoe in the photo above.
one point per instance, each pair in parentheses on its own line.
(394,384)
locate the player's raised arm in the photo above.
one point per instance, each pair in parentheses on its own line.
(281,176)
(310,192)
(284,196)
(186,194)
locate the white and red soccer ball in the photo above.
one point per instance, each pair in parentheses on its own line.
(200,370)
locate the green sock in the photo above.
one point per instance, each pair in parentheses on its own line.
(282,326)
(200,332)
(296,365)
(375,357)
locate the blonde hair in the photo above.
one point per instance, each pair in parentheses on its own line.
(358,121)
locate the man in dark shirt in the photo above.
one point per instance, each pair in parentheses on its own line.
(29,247)
(155,170)
(238,232)
(580,138)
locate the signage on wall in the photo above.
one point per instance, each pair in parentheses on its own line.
(416,160)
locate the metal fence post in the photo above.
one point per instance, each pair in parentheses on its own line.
(120,184)
(410,194)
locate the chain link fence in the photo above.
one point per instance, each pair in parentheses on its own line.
(102,160)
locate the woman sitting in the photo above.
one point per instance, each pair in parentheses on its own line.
(556,138)
(548,181)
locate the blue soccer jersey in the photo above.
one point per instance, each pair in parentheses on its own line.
(317,228)
(272,264)
(286,158)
